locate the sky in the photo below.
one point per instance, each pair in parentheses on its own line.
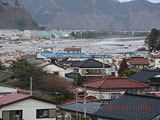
(154,1)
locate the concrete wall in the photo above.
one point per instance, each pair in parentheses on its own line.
(157,63)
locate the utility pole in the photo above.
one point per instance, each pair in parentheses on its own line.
(85,109)
(103,67)
(76,100)
(31,86)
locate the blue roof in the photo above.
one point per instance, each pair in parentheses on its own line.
(48,54)
(62,55)
(73,55)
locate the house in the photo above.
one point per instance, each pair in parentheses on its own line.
(52,68)
(69,109)
(150,77)
(157,61)
(16,106)
(131,107)
(72,50)
(138,62)
(91,67)
(111,88)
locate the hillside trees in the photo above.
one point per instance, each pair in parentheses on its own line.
(23,71)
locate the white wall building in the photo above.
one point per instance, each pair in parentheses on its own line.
(27,34)
(157,61)
(24,107)
(54,69)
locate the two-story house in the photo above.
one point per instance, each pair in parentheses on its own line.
(111,88)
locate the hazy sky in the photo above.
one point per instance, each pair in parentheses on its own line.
(155,1)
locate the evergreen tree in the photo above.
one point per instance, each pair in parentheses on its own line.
(124,70)
(23,71)
(73,34)
(1,66)
(123,67)
(153,39)
(16,2)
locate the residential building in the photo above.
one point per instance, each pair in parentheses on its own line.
(150,77)
(72,50)
(69,109)
(138,63)
(53,68)
(126,107)
(91,67)
(111,88)
(24,107)
(157,61)
(131,107)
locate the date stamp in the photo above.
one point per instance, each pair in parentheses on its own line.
(128,108)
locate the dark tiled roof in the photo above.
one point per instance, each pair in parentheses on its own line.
(91,63)
(72,63)
(91,107)
(144,75)
(133,112)
(138,61)
(72,75)
(108,83)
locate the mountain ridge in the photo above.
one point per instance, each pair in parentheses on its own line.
(15,17)
(95,14)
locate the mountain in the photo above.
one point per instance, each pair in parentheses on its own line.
(95,14)
(15,17)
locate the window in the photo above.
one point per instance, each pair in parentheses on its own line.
(115,95)
(56,73)
(76,70)
(12,115)
(46,113)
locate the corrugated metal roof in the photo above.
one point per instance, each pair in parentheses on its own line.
(144,75)
(134,111)
(91,107)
